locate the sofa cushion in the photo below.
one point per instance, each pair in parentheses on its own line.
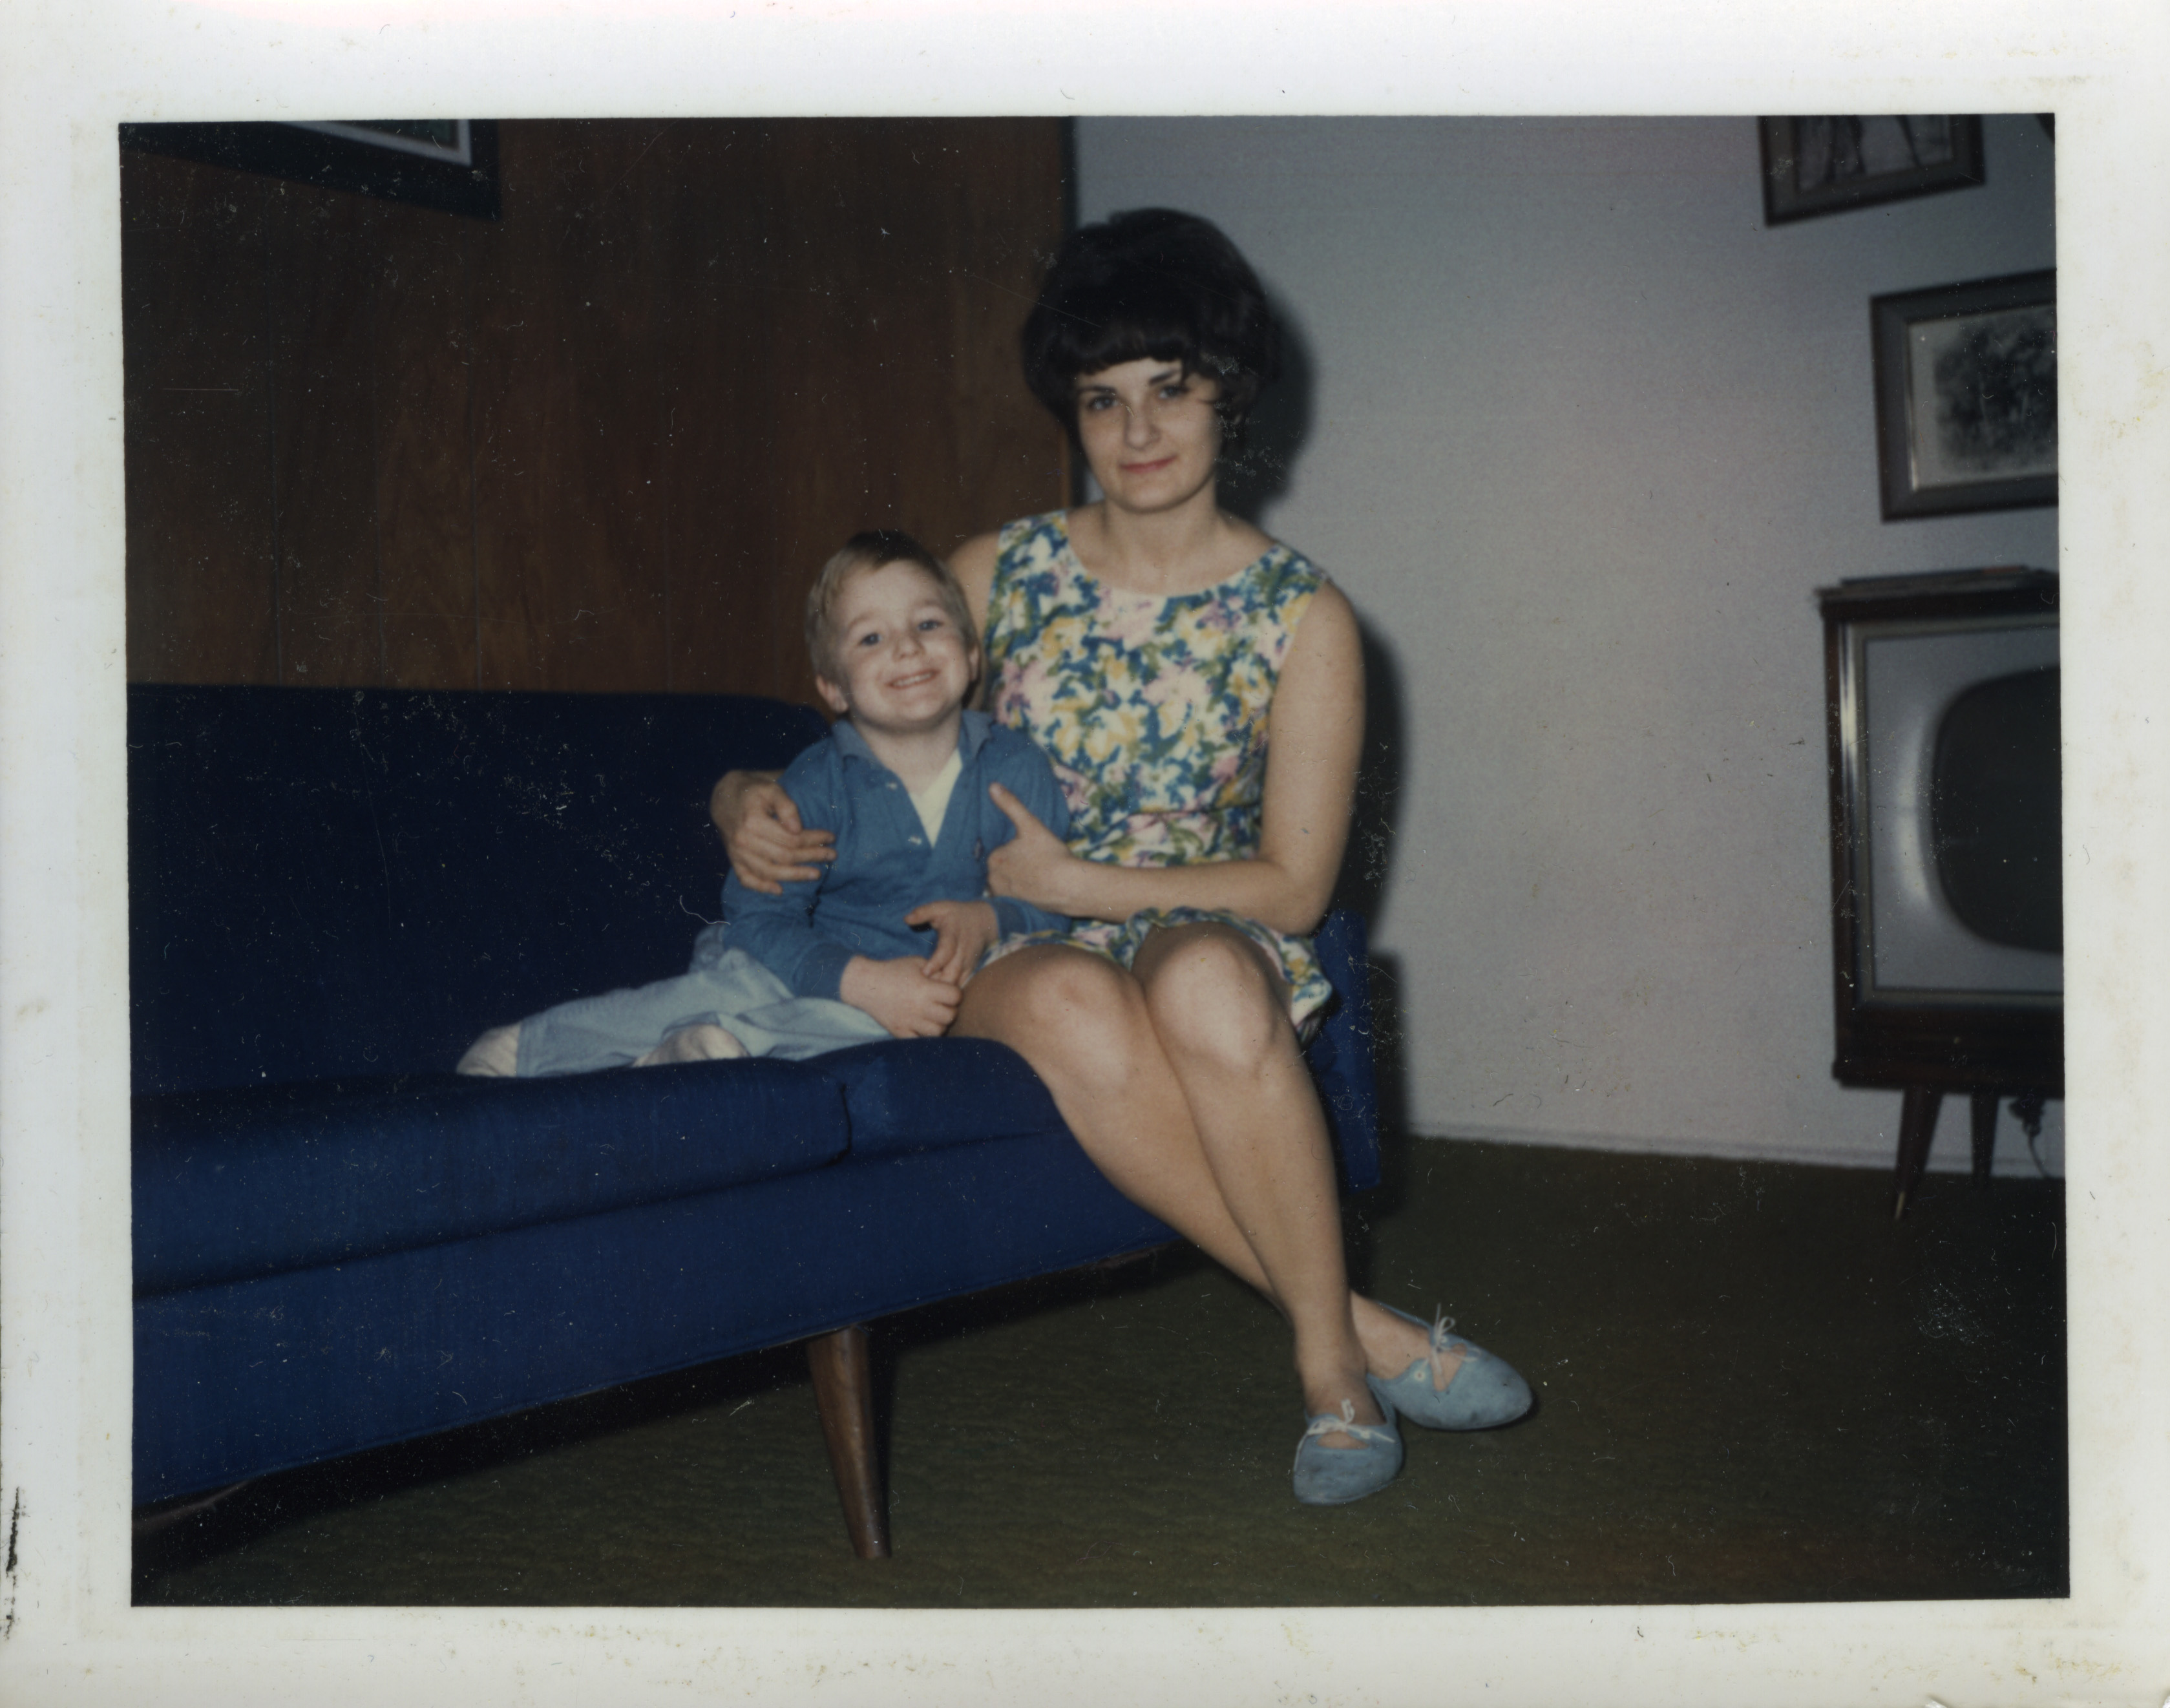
(234,1183)
(935,1092)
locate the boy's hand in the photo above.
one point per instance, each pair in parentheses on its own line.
(963,931)
(901,996)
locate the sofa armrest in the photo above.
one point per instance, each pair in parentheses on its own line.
(1340,1055)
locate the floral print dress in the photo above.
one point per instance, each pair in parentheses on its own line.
(1154,712)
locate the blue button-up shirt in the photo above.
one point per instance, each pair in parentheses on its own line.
(884,868)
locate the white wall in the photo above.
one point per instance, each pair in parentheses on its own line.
(1583,436)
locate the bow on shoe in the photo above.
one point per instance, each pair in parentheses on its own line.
(1440,1346)
(1333,1476)
(1482,1391)
(1326,1423)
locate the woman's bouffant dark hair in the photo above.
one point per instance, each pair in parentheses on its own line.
(1152,283)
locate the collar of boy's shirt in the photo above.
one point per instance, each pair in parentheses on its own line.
(973,730)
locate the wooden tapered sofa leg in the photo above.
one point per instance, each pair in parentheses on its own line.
(843,1388)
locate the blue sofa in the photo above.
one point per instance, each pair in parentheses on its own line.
(338,1243)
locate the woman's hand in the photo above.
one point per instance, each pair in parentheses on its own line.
(901,996)
(964,931)
(1033,865)
(763,838)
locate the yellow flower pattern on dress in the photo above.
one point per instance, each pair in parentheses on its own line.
(1154,712)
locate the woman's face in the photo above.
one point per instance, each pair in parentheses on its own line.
(1149,432)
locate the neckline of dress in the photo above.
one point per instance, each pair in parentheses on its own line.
(1109,588)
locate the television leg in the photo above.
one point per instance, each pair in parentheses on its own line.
(1917,1125)
(1984,1135)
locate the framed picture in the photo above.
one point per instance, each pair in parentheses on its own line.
(446,163)
(1966,396)
(1827,165)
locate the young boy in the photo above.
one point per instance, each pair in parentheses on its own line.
(901,780)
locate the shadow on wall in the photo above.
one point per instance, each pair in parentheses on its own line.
(1253,479)
(1365,862)
(1368,859)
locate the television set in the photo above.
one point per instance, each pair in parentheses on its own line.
(1948,946)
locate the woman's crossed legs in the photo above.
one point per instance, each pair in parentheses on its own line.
(1184,1082)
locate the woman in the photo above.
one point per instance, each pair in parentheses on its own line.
(1148,640)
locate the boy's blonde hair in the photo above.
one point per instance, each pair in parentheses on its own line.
(875,549)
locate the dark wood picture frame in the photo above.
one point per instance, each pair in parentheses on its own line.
(1828,152)
(365,157)
(1997,368)
(1928,1043)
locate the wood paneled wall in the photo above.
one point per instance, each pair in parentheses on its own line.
(602,443)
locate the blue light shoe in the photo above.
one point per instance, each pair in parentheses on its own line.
(1483,1392)
(1333,1476)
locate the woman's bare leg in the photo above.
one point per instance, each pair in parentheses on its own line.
(1221,1012)
(1082,1022)
(1085,1026)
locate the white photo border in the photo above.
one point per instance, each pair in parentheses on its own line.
(75,71)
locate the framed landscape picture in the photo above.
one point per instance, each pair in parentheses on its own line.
(1966,396)
(1827,165)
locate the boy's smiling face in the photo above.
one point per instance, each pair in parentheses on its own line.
(902,665)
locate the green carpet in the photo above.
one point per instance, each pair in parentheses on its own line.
(1752,1387)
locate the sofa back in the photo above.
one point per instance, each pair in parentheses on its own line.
(327,883)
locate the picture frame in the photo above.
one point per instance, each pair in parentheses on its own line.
(449,164)
(1966,396)
(1822,165)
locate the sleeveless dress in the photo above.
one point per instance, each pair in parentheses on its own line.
(1153,711)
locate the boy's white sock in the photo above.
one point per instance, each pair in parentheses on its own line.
(496,1052)
(706,1042)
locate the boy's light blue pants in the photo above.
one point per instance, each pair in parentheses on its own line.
(726,988)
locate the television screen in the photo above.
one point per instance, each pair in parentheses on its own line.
(1994,815)
(1959,739)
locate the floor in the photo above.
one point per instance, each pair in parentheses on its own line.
(1752,1387)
